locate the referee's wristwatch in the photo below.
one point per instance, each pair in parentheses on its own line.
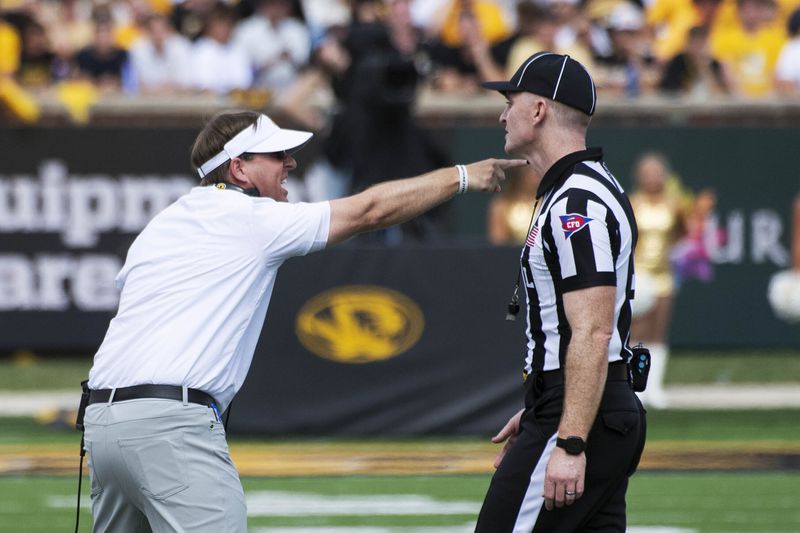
(571,445)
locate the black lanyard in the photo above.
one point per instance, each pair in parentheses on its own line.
(513,305)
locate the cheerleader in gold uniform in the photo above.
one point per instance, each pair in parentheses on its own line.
(660,223)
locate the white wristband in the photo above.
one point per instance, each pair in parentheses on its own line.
(463,179)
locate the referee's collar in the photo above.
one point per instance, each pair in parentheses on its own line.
(565,164)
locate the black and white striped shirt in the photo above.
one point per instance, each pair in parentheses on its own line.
(583,236)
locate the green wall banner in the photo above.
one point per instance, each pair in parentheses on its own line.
(72,200)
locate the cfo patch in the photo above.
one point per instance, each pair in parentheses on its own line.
(572,223)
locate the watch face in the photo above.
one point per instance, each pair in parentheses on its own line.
(572,445)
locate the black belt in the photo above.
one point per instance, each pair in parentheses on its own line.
(163,392)
(617,371)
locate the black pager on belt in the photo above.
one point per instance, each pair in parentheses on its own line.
(82,406)
(639,367)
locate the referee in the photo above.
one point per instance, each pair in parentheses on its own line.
(569,453)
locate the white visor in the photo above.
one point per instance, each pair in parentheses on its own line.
(263,137)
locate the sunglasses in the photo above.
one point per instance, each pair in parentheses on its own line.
(279,156)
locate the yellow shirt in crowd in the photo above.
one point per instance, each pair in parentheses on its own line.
(525,47)
(750,57)
(9,49)
(493,25)
(672,20)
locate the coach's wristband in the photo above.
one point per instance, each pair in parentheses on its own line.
(463,179)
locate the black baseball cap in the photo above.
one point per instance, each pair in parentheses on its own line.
(555,76)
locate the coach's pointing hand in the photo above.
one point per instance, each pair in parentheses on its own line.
(486,175)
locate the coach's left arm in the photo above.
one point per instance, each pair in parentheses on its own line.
(590,313)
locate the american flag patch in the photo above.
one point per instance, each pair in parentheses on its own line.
(532,235)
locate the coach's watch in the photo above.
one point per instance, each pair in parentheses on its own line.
(572,445)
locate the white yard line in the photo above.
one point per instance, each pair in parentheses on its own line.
(466,528)
(297,504)
(25,403)
(281,503)
(707,396)
(734,396)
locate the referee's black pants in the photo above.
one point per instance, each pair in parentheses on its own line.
(514,502)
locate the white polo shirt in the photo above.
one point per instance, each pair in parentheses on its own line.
(196,286)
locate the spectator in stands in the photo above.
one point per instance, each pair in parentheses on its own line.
(162,7)
(10,45)
(17,13)
(787,71)
(69,25)
(428,15)
(189,16)
(130,18)
(14,101)
(39,66)
(694,72)
(631,69)
(467,24)
(375,135)
(366,11)
(103,61)
(218,64)
(538,30)
(576,31)
(327,76)
(492,22)
(481,61)
(323,14)
(672,21)
(161,58)
(277,42)
(510,213)
(749,49)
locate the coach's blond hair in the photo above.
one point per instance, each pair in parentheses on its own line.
(220,129)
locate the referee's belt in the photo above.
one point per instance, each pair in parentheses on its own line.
(617,371)
(161,392)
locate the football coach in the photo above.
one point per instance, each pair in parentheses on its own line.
(195,288)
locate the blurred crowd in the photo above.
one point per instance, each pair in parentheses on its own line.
(283,49)
(351,70)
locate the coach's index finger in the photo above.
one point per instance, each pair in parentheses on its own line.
(511,163)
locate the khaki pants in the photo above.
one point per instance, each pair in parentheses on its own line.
(161,465)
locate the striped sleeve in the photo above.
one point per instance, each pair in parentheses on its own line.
(581,234)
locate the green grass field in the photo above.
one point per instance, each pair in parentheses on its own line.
(702,501)
(708,502)
(25,371)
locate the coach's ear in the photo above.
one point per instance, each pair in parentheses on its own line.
(237,169)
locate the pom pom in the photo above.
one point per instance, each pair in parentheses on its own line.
(644,296)
(783,293)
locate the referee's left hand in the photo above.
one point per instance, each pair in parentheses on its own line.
(563,481)
(508,435)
